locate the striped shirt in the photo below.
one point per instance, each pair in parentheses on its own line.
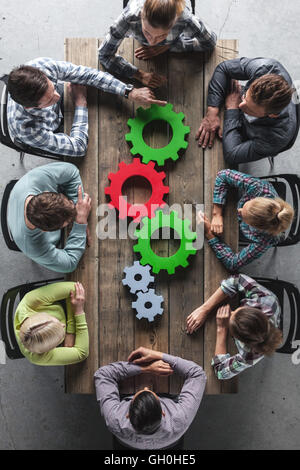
(37,127)
(259,241)
(253,295)
(188,34)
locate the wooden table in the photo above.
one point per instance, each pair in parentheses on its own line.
(113,328)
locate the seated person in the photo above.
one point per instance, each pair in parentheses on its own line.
(46,334)
(254,325)
(260,120)
(34,112)
(41,204)
(159,25)
(262,217)
(145,420)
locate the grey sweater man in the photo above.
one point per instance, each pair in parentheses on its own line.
(246,138)
(179,411)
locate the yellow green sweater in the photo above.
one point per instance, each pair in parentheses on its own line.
(44,299)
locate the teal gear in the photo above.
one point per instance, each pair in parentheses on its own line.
(180,226)
(157,113)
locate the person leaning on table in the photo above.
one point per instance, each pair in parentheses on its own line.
(253,325)
(146,420)
(159,25)
(35,99)
(46,334)
(262,218)
(260,119)
(41,204)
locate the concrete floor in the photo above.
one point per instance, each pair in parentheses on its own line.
(34,411)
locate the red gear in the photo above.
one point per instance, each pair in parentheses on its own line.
(137,211)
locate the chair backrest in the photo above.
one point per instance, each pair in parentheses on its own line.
(286,290)
(291,144)
(7,314)
(4,226)
(125,2)
(291,183)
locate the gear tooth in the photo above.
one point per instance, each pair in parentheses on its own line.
(130,122)
(181,116)
(185,144)
(175,157)
(128,137)
(107,190)
(151,319)
(151,164)
(139,316)
(184,264)
(122,165)
(187,129)
(110,176)
(168,107)
(133,150)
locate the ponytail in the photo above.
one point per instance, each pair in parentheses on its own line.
(252,327)
(273,216)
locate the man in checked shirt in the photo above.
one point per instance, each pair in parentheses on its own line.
(34,103)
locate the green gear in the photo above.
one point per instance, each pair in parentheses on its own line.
(154,113)
(180,226)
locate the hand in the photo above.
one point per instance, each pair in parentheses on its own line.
(233,100)
(196,319)
(69,340)
(217,224)
(78,94)
(78,298)
(158,368)
(146,52)
(150,79)
(144,96)
(83,207)
(223,316)
(144,356)
(201,218)
(209,126)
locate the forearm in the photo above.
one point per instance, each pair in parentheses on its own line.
(214,300)
(221,341)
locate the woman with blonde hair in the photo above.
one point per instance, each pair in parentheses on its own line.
(254,325)
(47,334)
(262,216)
(159,25)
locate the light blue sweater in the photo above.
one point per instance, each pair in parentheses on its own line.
(40,246)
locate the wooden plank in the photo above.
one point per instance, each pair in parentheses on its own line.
(155,335)
(79,377)
(116,317)
(214,271)
(185,73)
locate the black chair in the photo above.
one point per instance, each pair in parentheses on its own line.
(289,299)
(11,245)
(4,133)
(7,314)
(192,5)
(291,144)
(285,185)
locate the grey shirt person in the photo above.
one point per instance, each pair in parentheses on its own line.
(179,411)
(246,138)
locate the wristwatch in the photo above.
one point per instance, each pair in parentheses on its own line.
(128,89)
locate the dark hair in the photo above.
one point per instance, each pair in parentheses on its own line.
(272,92)
(145,413)
(49,211)
(27,85)
(252,327)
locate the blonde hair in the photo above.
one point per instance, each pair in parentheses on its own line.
(162,13)
(270,215)
(41,332)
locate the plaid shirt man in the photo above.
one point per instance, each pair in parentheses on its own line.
(249,188)
(37,127)
(188,34)
(252,295)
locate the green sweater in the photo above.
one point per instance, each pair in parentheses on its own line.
(45,299)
